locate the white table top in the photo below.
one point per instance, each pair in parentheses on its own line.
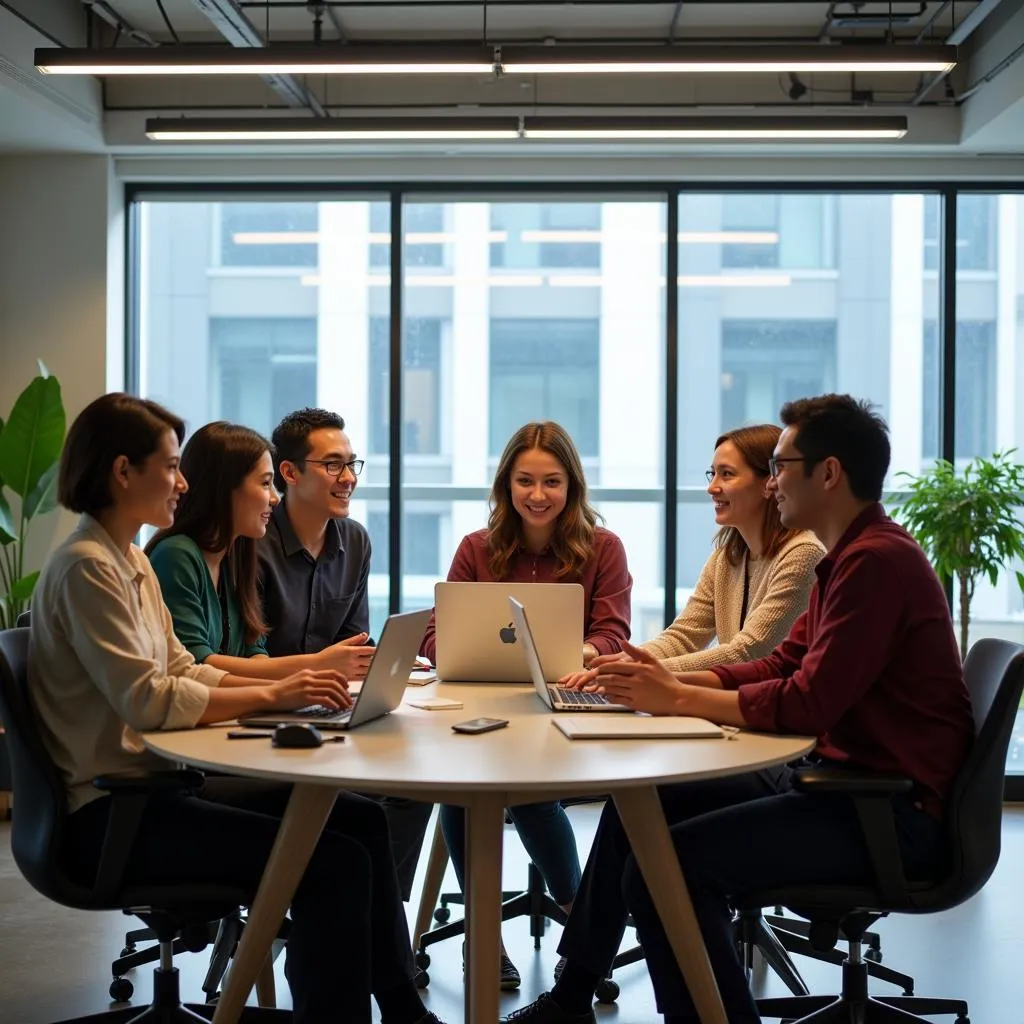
(414,751)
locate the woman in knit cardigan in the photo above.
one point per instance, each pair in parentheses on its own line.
(758,578)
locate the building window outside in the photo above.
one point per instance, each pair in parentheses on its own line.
(545,370)
(421,543)
(419,220)
(975,420)
(766,363)
(803,226)
(248,230)
(561,236)
(976,225)
(421,388)
(262,369)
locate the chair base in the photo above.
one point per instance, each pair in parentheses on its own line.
(855,1006)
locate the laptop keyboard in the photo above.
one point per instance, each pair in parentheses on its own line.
(578,697)
(323,713)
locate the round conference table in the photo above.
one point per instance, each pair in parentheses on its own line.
(414,753)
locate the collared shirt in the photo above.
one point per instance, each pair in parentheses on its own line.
(872,667)
(310,603)
(104,663)
(605,579)
(195,604)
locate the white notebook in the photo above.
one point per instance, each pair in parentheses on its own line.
(634,727)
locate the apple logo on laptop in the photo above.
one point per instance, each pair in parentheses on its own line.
(508,634)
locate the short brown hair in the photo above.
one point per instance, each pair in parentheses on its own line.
(113,425)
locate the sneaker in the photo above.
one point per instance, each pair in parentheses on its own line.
(546,1011)
(509,975)
(559,967)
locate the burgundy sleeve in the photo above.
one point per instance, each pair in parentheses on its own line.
(780,664)
(463,570)
(609,612)
(854,641)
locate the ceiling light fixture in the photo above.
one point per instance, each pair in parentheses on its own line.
(580,129)
(472,59)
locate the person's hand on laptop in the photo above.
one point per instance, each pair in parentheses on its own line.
(311,686)
(585,680)
(639,681)
(351,657)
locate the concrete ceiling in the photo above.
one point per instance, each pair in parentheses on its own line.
(39,113)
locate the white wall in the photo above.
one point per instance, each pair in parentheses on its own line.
(61,294)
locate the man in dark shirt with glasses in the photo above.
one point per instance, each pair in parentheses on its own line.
(314,564)
(871,669)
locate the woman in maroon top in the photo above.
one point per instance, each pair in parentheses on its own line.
(542,529)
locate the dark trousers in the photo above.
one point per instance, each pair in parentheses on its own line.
(348,937)
(407,822)
(546,833)
(733,835)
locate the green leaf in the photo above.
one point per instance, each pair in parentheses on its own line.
(43,498)
(22,589)
(8,534)
(1020,580)
(33,436)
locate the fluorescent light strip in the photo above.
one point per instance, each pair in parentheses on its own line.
(708,128)
(472,59)
(727,237)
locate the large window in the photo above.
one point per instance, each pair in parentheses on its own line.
(545,370)
(838,301)
(553,305)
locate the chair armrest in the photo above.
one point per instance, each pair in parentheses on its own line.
(161,781)
(853,783)
(871,793)
(129,793)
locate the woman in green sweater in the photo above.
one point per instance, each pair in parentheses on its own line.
(206,561)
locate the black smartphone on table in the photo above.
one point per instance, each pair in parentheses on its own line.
(475,725)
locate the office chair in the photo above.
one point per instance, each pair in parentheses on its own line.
(177,914)
(994,673)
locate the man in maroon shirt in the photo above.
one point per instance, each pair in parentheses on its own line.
(871,669)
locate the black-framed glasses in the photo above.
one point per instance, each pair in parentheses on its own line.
(335,467)
(774,463)
(709,475)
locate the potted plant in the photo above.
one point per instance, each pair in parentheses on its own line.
(30,444)
(968,523)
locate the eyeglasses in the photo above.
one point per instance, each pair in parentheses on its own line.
(335,467)
(709,475)
(774,463)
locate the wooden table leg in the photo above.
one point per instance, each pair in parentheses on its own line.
(644,821)
(484,833)
(303,821)
(436,864)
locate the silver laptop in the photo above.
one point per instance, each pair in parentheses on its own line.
(383,686)
(477,639)
(556,697)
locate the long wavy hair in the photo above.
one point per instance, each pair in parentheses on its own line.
(573,541)
(215,462)
(755,444)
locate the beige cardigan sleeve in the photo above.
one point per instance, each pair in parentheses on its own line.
(767,624)
(694,628)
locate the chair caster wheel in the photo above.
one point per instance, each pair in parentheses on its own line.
(421,979)
(874,955)
(442,914)
(422,960)
(607,991)
(128,950)
(121,990)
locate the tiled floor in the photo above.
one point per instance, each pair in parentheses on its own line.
(54,963)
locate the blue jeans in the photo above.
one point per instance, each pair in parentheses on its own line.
(547,835)
(734,835)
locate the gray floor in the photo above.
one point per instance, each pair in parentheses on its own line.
(54,963)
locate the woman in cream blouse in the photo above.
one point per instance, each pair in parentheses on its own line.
(758,578)
(105,665)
